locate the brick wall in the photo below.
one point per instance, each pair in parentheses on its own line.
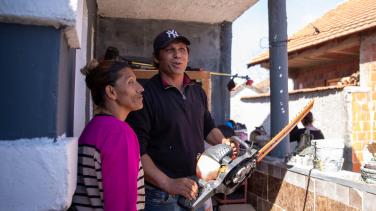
(317,76)
(361,126)
(275,187)
(363,104)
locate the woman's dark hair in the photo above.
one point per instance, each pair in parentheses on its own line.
(308,119)
(99,75)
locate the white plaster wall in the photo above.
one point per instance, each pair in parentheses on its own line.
(329,111)
(80,86)
(37,174)
(57,13)
(250,114)
(245,112)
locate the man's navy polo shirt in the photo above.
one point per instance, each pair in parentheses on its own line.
(172,126)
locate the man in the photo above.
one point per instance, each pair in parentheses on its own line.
(172,126)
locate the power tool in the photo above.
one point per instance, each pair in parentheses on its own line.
(230,173)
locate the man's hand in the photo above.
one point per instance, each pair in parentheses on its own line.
(182,186)
(234,145)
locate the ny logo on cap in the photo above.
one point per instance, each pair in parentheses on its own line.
(172,33)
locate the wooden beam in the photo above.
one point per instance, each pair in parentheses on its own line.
(331,45)
(318,58)
(344,52)
(342,46)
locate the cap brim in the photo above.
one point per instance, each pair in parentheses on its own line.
(178,39)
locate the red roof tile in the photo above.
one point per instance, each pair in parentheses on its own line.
(350,17)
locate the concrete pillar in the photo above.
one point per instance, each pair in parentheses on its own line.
(278,73)
(221,103)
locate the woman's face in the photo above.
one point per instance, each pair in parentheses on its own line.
(128,90)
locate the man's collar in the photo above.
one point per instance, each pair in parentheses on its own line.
(186,81)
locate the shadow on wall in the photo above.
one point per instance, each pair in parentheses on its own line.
(348,158)
(266,124)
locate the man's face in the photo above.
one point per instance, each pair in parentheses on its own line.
(173,59)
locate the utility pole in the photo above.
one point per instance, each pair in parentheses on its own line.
(279,97)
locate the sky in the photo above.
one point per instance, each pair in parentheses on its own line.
(250,31)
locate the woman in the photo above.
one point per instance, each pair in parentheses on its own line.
(109,168)
(308,125)
(307,122)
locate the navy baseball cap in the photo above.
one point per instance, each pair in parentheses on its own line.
(166,37)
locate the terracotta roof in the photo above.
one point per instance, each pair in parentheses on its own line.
(347,18)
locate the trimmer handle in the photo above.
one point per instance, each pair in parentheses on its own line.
(218,152)
(243,143)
